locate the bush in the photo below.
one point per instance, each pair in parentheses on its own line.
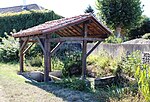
(113,39)
(103,64)
(24,20)
(74,83)
(130,63)
(34,51)
(142,75)
(72,64)
(57,64)
(9,50)
(35,61)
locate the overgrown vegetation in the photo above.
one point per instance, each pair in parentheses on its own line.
(74,84)
(142,75)
(113,39)
(129,63)
(9,50)
(102,64)
(72,64)
(130,66)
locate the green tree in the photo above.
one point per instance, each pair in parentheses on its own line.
(89,9)
(141,30)
(120,14)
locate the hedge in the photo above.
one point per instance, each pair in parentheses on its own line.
(24,20)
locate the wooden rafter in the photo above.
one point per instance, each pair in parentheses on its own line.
(69,32)
(74,32)
(101,27)
(77,29)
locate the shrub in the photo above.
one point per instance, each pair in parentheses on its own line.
(36,61)
(34,51)
(142,75)
(113,39)
(103,64)
(74,83)
(130,63)
(57,64)
(72,64)
(24,20)
(9,50)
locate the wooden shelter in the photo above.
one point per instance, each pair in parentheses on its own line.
(83,28)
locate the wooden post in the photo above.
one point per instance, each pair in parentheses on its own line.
(21,57)
(47,57)
(84,50)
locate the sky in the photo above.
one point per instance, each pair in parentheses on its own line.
(66,8)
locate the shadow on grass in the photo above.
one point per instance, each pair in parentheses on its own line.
(68,94)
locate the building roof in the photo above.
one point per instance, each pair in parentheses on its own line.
(20,8)
(137,41)
(69,27)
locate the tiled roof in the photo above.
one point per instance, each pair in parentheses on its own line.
(20,8)
(68,27)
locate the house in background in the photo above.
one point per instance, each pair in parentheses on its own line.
(21,8)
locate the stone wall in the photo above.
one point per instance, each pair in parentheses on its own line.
(117,50)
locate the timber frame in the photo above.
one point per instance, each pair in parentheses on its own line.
(84,28)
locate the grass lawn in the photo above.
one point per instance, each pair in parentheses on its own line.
(15,88)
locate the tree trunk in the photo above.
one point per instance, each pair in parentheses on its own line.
(118,32)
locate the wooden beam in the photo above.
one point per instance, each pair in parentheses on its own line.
(23,45)
(102,27)
(93,49)
(69,32)
(55,49)
(75,32)
(77,29)
(31,39)
(74,39)
(54,77)
(21,56)
(65,32)
(62,32)
(84,50)
(28,48)
(41,44)
(47,57)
